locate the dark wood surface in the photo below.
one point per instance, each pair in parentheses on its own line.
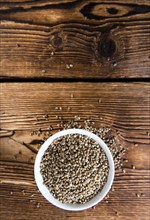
(42,38)
(71,53)
(124,107)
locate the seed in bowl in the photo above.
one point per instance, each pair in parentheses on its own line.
(74,168)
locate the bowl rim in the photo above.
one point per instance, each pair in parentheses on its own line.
(45,192)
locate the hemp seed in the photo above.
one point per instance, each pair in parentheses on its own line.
(72,163)
(138,195)
(78,170)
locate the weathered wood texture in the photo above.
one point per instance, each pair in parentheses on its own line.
(75,39)
(123,106)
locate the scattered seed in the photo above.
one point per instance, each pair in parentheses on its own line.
(56,108)
(112,189)
(37,119)
(38,133)
(135,145)
(43,71)
(72,96)
(52,53)
(106,201)
(114,64)
(32,195)
(50,127)
(15,156)
(124,171)
(38,205)
(17,45)
(76,118)
(23,191)
(117,213)
(99,100)
(45,116)
(106,197)
(133,167)
(138,195)
(68,66)
(11,193)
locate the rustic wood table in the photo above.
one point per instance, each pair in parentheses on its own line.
(92,59)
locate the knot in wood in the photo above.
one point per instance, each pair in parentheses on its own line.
(56,42)
(106,47)
(112,11)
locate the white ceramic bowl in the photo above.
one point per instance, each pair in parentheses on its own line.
(45,192)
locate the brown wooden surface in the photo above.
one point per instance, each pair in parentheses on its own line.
(50,50)
(42,38)
(124,107)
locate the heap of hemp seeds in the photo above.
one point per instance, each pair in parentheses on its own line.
(74,168)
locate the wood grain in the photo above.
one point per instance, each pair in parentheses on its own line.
(78,40)
(30,106)
(75,39)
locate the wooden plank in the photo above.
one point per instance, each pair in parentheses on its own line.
(75,39)
(123,106)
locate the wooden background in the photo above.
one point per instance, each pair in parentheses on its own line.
(70,54)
